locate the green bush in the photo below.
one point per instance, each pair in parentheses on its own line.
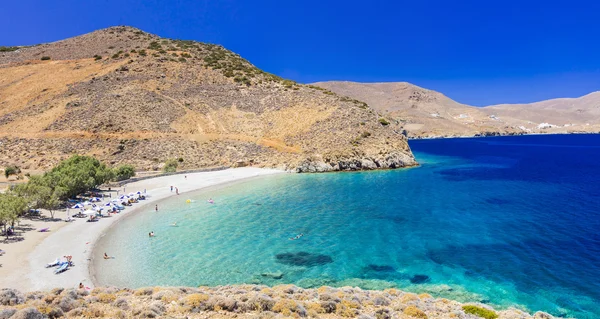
(97,57)
(170,166)
(142,52)
(8,49)
(480,312)
(11,170)
(45,58)
(384,122)
(124,172)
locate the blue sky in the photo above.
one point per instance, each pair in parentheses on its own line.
(476,52)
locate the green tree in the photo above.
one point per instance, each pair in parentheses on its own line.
(11,208)
(124,172)
(76,175)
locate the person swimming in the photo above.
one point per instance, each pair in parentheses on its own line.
(297,236)
(210,201)
(151,234)
(174,224)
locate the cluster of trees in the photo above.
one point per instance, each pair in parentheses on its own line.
(70,178)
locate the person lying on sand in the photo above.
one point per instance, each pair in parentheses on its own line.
(107,256)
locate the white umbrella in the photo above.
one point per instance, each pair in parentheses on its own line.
(108,204)
(86,203)
(123,197)
(78,206)
(95,199)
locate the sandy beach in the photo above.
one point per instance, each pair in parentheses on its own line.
(22,267)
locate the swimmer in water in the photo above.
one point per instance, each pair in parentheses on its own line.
(151,234)
(174,224)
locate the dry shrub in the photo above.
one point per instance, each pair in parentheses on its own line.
(195,300)
(425,296)
(408,297)
(144,292)
(392,291)
(92,311)
(285,307)
(107,298)
(414,312)
(261,302)
(314,309)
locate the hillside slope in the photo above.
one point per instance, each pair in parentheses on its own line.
(127,96)
(427,113)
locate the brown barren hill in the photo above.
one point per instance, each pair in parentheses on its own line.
(427,113)
(127,96)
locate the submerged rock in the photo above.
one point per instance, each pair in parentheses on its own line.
(274,275)
(303,258)
(419,279)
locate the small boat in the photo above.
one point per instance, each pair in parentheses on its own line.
(62,267)
(53,264)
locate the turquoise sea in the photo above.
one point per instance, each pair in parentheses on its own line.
(508,221)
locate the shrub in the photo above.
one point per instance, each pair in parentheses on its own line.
(97,57)
(45,58)
(170,166)
(8,49)
(195,300)
(124,172)
(384,122)
(11,170)
(142,53)
(414,312)
(285,307)
(106,298)
(365,134)
(480,312)
(116,56)
(180,160)
(182,59)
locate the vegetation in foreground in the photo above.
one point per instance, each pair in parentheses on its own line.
(243,301)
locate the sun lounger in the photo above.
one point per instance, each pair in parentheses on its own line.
(53,264)
(2,252)
(43,230)
(62,267)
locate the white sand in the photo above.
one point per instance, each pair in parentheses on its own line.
(77,238)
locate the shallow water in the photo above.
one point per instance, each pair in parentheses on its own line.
(506,221)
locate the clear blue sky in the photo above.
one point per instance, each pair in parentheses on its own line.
(476,52)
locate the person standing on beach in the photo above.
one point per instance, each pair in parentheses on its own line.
(176,190)
(171,189)
(156,207)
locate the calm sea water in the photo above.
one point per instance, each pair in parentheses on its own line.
(509,221)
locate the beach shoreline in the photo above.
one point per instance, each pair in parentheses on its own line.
(79,238)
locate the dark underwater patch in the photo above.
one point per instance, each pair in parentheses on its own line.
(497,201)
(380,268)
(419,279)
(303,258)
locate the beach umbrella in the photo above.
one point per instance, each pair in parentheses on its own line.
(95,199)
(78,206)
(123,197)
(108,204)
(139,193)
(86,203)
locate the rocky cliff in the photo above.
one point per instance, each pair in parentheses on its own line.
(127,96)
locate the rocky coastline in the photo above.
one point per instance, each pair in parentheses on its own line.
(242,301)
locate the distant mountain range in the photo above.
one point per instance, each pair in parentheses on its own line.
(127,96)
(427,113)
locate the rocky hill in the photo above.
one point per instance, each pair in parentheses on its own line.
(243,301)
(427,113)
(127,96)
